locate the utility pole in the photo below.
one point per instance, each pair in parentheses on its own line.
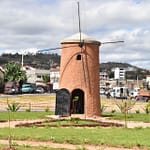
(22,57)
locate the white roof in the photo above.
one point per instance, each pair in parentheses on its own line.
(76,38)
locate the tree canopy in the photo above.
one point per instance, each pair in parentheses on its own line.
(14,72)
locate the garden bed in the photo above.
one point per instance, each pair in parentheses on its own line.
(75,122)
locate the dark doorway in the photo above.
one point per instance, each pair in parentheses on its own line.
(77,102)
(62,107)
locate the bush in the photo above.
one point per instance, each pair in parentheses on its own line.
(13,107)
(125,106)
(137,111)
(103,108)
(147,108)
(47,109)
(113,111)
(28,110)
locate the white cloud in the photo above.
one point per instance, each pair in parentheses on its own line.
(44,23)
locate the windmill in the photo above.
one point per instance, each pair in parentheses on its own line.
(79,75)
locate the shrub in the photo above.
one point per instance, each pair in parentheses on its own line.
(13,107)
(28,110)
(113,111)
(137,111)
(125,106)
(103,108)
(147,108)
(47,109)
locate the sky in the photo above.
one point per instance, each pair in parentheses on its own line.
(29,25)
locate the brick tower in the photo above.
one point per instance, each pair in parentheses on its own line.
(79,74)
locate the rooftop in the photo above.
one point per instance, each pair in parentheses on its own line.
(76,38)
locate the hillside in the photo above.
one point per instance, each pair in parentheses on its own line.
(39,60)
(110,65)
(44,61)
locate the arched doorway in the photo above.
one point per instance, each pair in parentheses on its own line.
(77,102)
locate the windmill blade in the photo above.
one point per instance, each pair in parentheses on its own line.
(112,42)
(53,49)
(48,49)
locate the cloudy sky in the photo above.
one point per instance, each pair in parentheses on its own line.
(37,24)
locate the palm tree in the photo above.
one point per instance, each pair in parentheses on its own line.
(15,73)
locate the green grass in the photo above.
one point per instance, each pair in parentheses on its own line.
(130,117)
(40,115)
(69,122)
(105,136)
(4,116)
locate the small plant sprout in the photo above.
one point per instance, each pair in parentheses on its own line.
(13,107)
(113,111)
(124,107)
(47,109)
(137,111)
(103,108)
(147,108)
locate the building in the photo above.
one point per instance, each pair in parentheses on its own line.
(119,73)
(104,78)
(54,77)
(79,77)
(35,75)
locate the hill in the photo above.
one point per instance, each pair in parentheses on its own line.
(131,71)
(44,61)
(40,60)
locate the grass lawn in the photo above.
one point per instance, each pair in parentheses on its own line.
(105,136)
(40,115)
(130,117)
(4,116)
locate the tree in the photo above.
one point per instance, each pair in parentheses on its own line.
(46,78)
(14,72)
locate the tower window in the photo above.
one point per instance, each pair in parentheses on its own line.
(78,57)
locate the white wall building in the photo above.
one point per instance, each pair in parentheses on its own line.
(54,77)
(35,75)
(119,73)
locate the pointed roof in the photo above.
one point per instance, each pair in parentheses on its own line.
(76,39)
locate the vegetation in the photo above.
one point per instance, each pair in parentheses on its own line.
(40,115)
(130,117)
(45,60)
(125,106)
(117,137)
(14,72)
(40,60)
(147,108)
(105,136)
(23,115)
(13,107)
(46,78)
(103,108)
